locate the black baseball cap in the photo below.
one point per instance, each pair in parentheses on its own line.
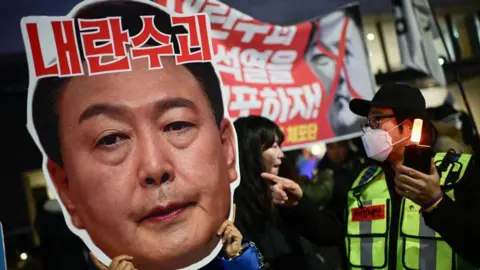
(393,95)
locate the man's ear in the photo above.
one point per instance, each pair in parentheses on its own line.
(60,180)
(227,137)
(408,126)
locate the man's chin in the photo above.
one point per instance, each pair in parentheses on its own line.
(175,257)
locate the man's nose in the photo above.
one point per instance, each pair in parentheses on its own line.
(281,154)
(155,166)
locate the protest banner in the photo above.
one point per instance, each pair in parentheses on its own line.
(300,76)
(415,33)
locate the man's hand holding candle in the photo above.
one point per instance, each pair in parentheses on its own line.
(420,188)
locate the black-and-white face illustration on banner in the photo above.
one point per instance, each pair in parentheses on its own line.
(143,160)
(338,56)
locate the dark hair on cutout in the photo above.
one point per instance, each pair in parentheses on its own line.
(44,112)
(255,134)
(429,133)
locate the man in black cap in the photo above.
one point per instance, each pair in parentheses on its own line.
(400,218)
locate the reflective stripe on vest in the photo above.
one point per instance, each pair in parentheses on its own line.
(366,239)
(422,247)
(368,230)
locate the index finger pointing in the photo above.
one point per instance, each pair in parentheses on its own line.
(272,177)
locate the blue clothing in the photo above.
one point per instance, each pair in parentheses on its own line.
(250,259)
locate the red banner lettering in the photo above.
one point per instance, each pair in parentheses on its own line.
(368,213)
(106,39)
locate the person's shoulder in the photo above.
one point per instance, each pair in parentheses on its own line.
(468,160)
(463,180)
(467,186)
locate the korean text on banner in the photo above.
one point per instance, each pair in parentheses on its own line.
(300,76)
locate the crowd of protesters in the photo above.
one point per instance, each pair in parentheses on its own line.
(303,216)
(356,207)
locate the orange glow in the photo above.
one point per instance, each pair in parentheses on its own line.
(417,131)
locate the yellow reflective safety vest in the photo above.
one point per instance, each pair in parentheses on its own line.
(368,218)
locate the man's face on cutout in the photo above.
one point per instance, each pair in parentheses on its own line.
(356,69)
(147,171)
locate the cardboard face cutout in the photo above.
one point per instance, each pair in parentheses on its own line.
(138,147)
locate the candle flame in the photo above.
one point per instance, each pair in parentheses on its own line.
(417,130)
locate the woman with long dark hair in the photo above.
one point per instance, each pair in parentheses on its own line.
(271,210)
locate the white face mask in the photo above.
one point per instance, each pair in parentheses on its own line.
(378,143)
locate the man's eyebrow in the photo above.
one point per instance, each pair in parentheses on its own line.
(164,105)
(101,109)
(116,111)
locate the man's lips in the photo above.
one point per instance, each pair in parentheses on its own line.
(166,212)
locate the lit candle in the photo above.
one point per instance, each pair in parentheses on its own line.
(417,131)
